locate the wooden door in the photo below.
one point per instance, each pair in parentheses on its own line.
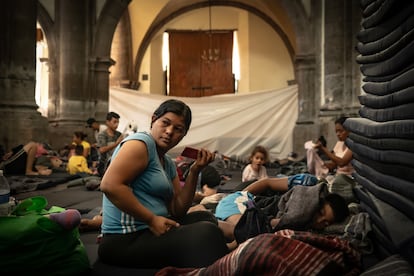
(193,76)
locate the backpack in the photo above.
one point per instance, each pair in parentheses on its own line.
(253,222)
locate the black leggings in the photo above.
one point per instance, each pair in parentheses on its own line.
(16,164)
(198,242)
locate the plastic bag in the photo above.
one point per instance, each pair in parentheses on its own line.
(32,243)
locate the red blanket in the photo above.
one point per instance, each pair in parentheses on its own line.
(284,253)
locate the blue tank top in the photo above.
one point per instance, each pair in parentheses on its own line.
(153,188)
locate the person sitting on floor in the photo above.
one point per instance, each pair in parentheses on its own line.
(79,139)
(77,163)
(339,158)
(21,160)
(145,221)
(255,170)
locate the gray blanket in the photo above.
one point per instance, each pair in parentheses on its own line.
(298,206)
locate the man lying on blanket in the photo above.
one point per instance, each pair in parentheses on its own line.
(305,205)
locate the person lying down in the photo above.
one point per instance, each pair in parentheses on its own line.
(305,205)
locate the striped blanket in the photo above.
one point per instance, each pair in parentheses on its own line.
(286,252)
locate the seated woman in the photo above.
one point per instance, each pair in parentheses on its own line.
(145,222)
(21,160)
(339,158)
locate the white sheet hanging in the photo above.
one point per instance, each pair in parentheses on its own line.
(231,124)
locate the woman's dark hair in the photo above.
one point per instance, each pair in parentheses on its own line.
(262,150)
(338,205)
(341,120)
(177,107)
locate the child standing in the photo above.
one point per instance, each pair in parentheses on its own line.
(255,170)
(77,163)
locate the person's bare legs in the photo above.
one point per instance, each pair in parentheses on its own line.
(91,224)
(227,227)
(30,149)
(272,183)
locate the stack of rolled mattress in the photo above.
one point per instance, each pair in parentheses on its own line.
(382,139)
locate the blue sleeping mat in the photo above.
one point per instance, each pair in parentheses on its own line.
(371,7)
(394,64)
(383,143)
(403,129)
(398,225)
(383,245)
(375,12)
(384,42)
(401,112)
(401,97)
(400,203)
(399,82)
(401,173)
(366,3)
(368,205)
(389,56)
(387,156)
(381,238)
(405,9)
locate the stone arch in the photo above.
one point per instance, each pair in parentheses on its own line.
(46,22)
(100,57)
(300,22)
(106,25)
(47,25)
(161,21)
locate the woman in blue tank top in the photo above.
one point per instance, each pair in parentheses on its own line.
(145,221)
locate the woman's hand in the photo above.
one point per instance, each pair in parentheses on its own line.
(160,225)
(183,197)
(204,157)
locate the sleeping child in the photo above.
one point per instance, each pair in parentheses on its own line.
(305,205)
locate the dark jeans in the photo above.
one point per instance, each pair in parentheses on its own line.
(198,242)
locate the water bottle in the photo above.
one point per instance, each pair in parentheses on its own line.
(4,195)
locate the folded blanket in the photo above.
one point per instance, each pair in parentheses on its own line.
(286,252)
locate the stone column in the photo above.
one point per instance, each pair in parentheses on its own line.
(121,52)
(71,99)
(341,73)
(72,17)
(20,121)
(99,69)
(336,67)
(308,99)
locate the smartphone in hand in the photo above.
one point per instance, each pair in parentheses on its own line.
(190,152)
